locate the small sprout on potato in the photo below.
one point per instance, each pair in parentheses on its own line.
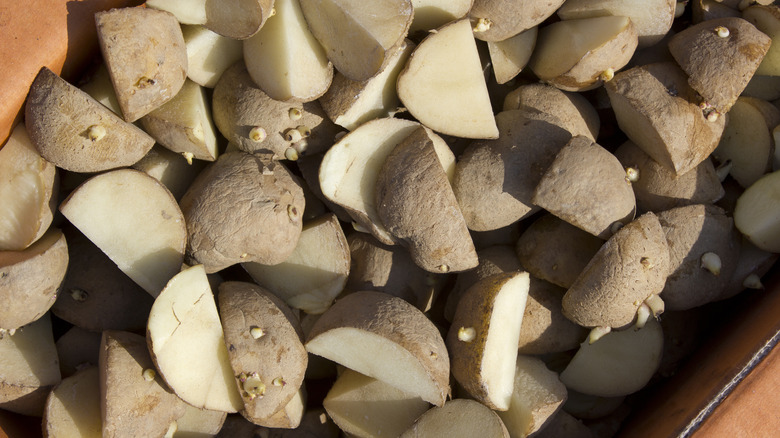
(174,426)
(339,135)
(272,13)
(293,135)
(4,332)
(597,333)
(304,130)
(632,174)
(434,355)
(647,262)
(656,304)
(188,156)
(711,262)
(144,82)
(96,132)
(291,154)
(79,295)
(723,170)
(292,212)
(722,31)
(444,268)
(753,281)
(483,25)
(607,74)
(253,386)
(642,315)
(712,116)
(257,332)
(615,227)
(679,8)
(257,134)
(295,114)
(149,374)
(467,334)
(244,255)
(278,382)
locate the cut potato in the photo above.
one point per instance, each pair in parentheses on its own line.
(209,54)
(767,20)
(100,88)
(386,338)
(545,328)
(316,271)
(431,14)
(73,407)
(757,215)
(746,143)
(135,220)
(289,417)
(171,169)
(484,336)
(78,349)
(443,86)
(199,423)
(185,11)
(497,20)
(284,58)
(459,418)
(185,338)
(238,19)
(510,56)
(357,35)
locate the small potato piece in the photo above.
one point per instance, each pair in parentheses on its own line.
(586,186)
(73,407)
(238,19)
(564,424)
(30,279)
(133,219)
(290,416)
(185,11)
(510,56)
(484,335)
(171,169)
(209,54)
(98,85)
(628,269)
(145,72)
(767,20)
(459,418)
(719,63)
(78,349)
(265,345)
(386,338)
(753,264)
(757,214)
(746,143)
(75,132)
(365,407)
(199,423)
(431,14)
(243,208)
(545,328)
(417,206)
(28,186)
(502,19)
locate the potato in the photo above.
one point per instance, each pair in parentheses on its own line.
(720,56)
(73,406)
(28,359)
(431,14)
(459,418)
(756,215)
(30,279)
(144,72)
(564,424)
(625,275)
(657,188)
(703,10)
(98,85)
(658,111)
(511,55)
(502,19)
(386,338)
(484,335)
(77,349)
(443,87)
(591,407)
(238,19)
(185,11)
(199,423)
(553,250)
(365,407)
(171,169)
(134,401)
(309,167)
(290,416)
(371,31)
(261,222)
(545,328)
(753,264)
(75,132)
(133,219)
(285,59)
(187,343)
(265,348)
(767,20)
(746,143)
(586,186)
(209,54)
(96,295)
(314,423)
(417,206)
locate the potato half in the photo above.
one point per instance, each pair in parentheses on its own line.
(459,418)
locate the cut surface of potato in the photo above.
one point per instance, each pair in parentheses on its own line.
(27,192)
(430,14)
(209,54)
(746,143)
(185,11)
(171,169)
(73,407)
(443,86)
(459,418)
(238,19)
(185,338)
(386,338)
(135,220)
(757,215)
(199,423)
(78,349)
(767,20)
(510,56)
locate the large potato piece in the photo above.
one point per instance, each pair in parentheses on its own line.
(767,20)
(30,279)
(73,407)
(209,54)
(145,54)
(757,215)
(430,14)
(586,186)
(135,220)
(243,208)
(502,19)
(75,132)
(27,192)
(459,418)
(386,338)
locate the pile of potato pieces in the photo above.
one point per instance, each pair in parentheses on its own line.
(378,184)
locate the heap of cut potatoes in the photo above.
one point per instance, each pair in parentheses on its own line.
(416,218)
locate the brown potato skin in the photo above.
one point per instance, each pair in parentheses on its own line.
(545,328)
(242,208)
(464,416)
(237,19)
(277,354)
(510,17)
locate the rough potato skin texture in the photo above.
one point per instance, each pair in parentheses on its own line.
(459,418)
(720,68)
(545,328)
(279,353)
(242,208)
(616,281)
(692,231)
(28,287)
(659,111)
(659,189)
(417,206)
(145,55)
(396,320)
(586,187)
(132,406)
(510,17)
(237,19)
(58,117)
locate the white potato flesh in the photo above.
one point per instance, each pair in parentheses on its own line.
(28,358)
(767,20)
(511,55)
(431,14)
(619,363)
(652,18)
(100,88)
(26,185)
(284,58)
(188,346)
(746,142)
(135,220)
(443,85)
(199,423)
(73,407)
(561,45)
(170,168)
(186,11)
(209,54)
(757,213)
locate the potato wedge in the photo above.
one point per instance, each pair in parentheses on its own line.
(237,19)
(459,418)
(199,423)
(511,55)
(502,19)
(209,54)
(767,20)
(171,169)
(746,143)
(73,406)
(77,349)
(431,14)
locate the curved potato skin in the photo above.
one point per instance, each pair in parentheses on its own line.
(630,267)
(58,117)
(279,353)
(459,418)
(237,19)
(510,17)
(242,208)
(545,328)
